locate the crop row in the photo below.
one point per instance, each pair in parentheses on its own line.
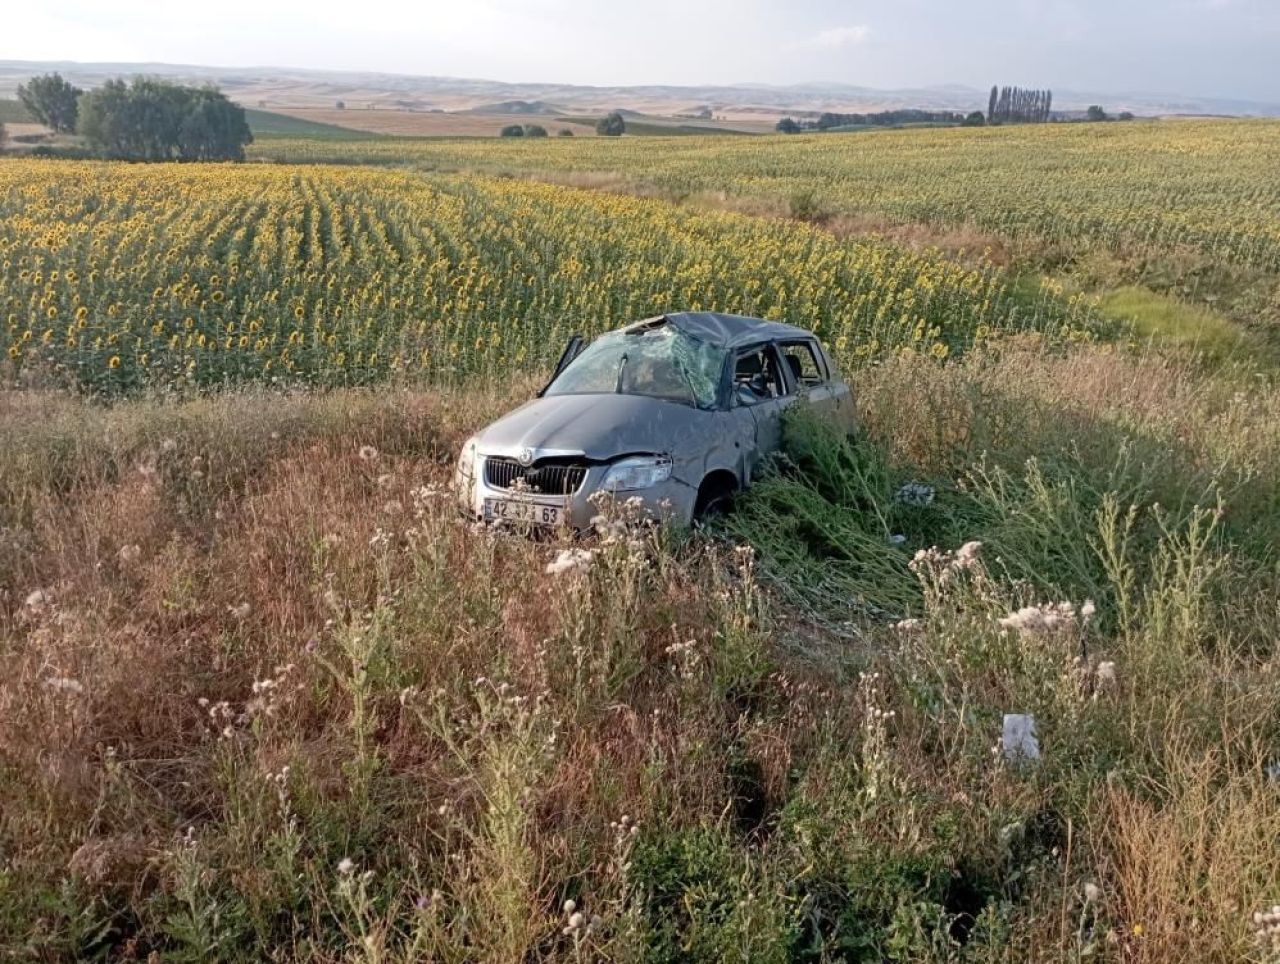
(1144,187)
(120,277)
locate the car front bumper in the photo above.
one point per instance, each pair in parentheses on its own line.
(669,501)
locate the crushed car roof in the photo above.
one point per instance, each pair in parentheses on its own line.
(724,331)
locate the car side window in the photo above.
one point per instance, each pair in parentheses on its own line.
(759,372)
(805,363)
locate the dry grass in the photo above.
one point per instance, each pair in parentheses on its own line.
(966,243)
(244,638)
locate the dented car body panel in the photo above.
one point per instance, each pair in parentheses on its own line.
(665,411)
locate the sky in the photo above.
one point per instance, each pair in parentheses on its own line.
(1219,48)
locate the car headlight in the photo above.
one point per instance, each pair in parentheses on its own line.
(639,472)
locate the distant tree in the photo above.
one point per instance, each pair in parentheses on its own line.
(534,130)
(974,119)
(1125,115)
(611,125)
(4,137)
(153,120)
(787,126)
(829,120)
(564,132)
(1095,113)
(52,101)
(512,130)
(340,105)
(212,128)
(1016,105)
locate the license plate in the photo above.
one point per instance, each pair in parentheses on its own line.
(529,513)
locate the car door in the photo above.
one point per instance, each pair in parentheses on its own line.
(761,392)
(806,366)
(814,378)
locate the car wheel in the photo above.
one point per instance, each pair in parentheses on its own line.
(715,497)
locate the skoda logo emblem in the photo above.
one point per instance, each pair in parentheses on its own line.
(525,457)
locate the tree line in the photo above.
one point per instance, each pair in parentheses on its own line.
(886,118)
(143,120)
(1016,105)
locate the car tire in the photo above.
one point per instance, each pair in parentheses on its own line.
(715,497)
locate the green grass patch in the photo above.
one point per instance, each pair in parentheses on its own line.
(264,122)
(1170,321)
(654,128)
(836,524)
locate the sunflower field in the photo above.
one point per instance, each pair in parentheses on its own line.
(119,278)
(1159,187)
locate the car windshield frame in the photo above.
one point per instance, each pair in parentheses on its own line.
(657,361)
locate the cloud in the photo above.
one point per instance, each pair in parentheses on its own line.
(834,38)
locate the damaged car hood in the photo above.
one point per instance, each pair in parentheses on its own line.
(597,427)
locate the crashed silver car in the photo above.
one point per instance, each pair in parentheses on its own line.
(678,410)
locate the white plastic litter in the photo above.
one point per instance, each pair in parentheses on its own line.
(1019,738)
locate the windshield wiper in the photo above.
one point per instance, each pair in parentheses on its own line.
(622,367)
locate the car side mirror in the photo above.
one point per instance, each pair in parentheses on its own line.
(743,395)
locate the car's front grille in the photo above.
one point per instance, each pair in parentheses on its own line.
(560,479)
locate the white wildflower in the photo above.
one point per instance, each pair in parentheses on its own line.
(367,453)
(1028,619)
(168,445)
(37,599)
(241,611)
(1106,674)
(129,554)
(1041,620)
(908,626)
(570,561)
(1092,892)
(345,866)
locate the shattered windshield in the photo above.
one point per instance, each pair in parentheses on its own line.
(661,362)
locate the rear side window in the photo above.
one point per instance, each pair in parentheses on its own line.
(805,363)
(760,370)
